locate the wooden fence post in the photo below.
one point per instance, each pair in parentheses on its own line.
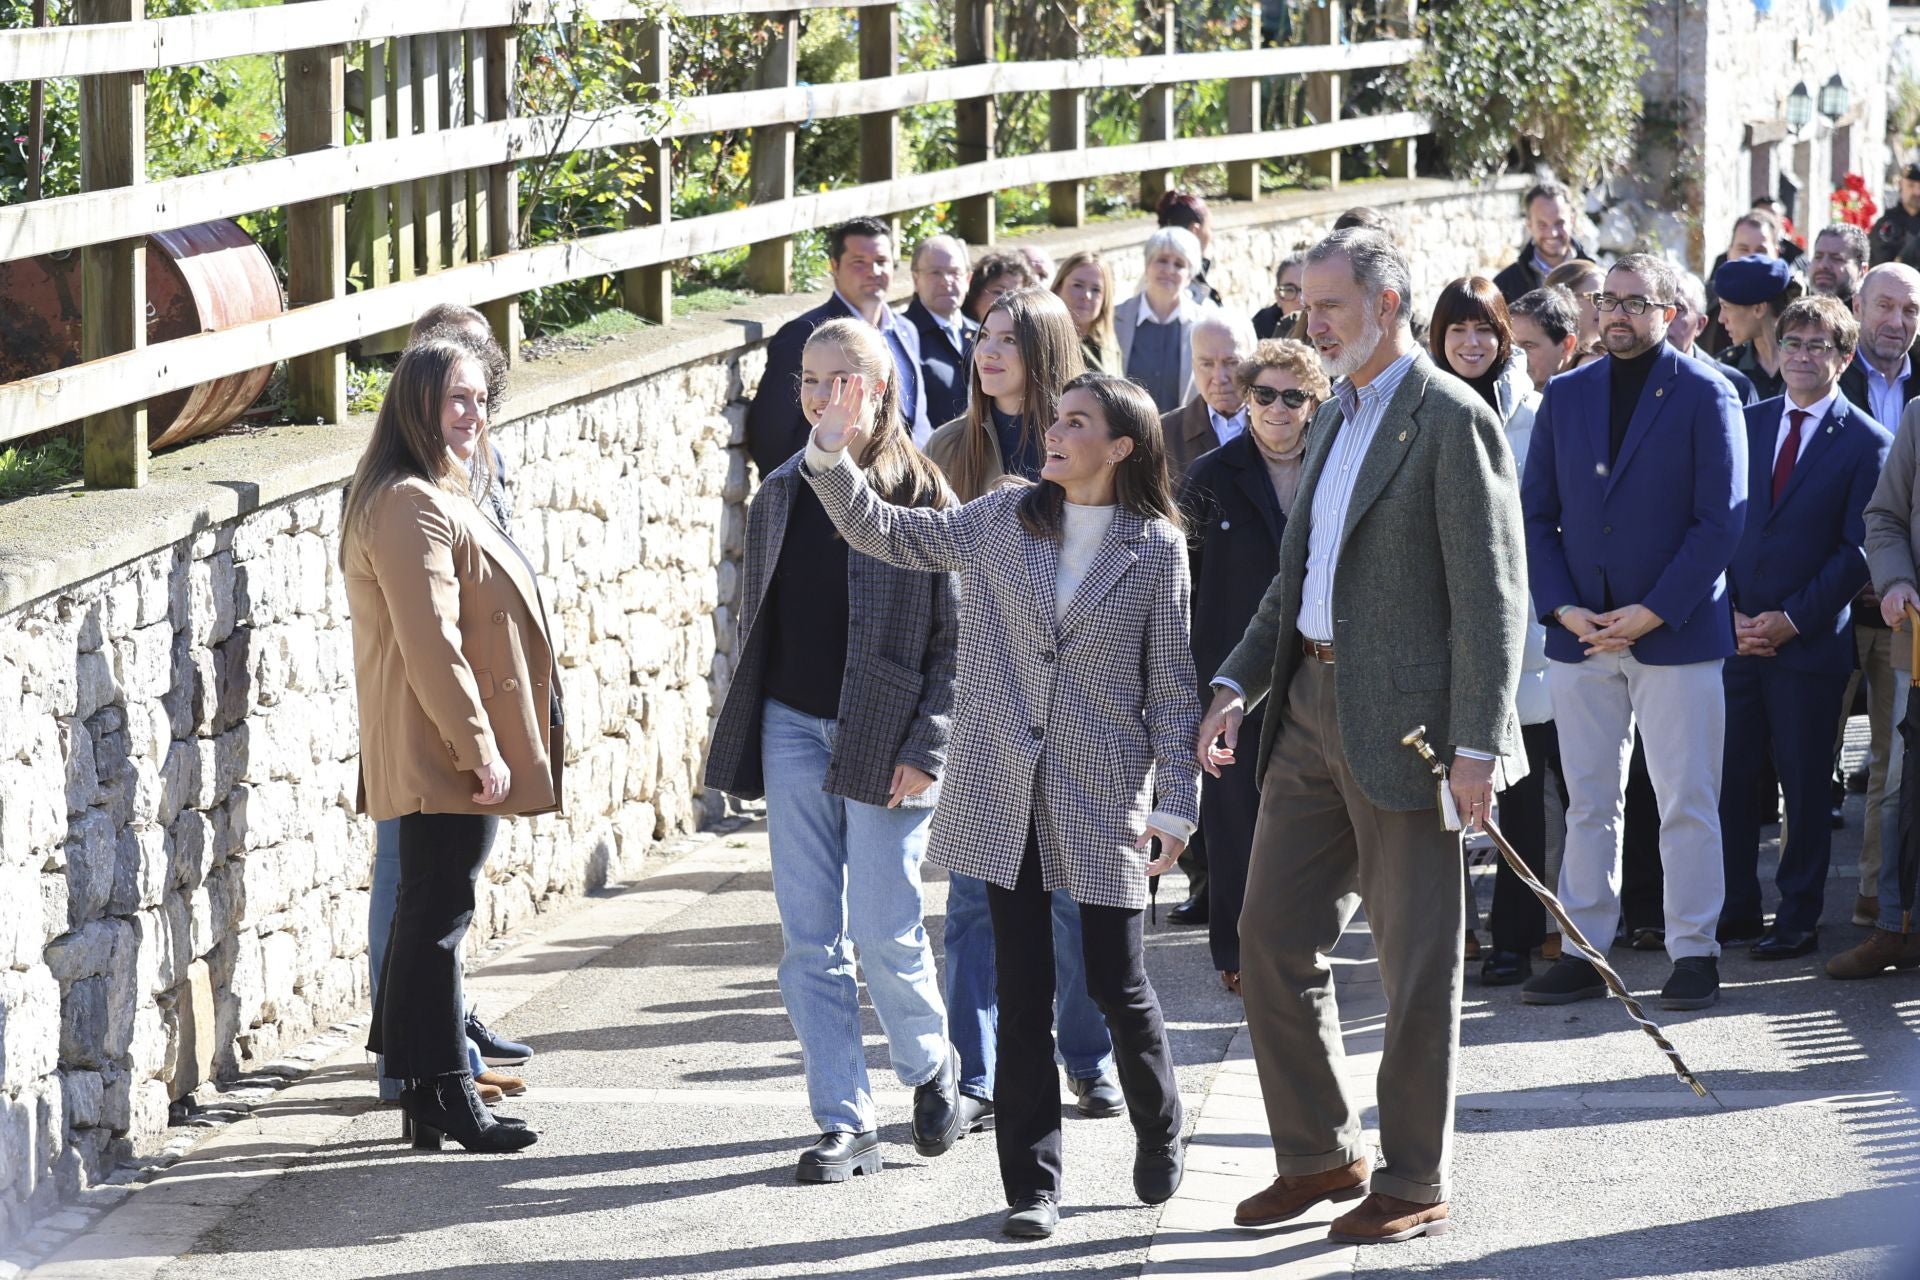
(1156,118)
(648,291)
(770,262)
(974,216)
(1403,155)
(1067,127)
(1243,116)
(503,183)
(1324,26)
(113,277)
(430,194)
(880,130)
(317,229)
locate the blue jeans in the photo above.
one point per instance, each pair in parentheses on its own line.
(975,1009)
(381,898)
(846,881)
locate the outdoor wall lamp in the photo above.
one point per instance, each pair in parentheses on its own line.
(1799,107)
(1835,98)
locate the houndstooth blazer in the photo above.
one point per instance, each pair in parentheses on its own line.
(1082,728)
(896,701)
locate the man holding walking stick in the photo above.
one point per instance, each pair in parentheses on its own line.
(1399,601)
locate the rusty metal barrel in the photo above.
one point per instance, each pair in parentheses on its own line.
(199,278)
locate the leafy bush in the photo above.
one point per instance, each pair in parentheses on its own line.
(1561,76)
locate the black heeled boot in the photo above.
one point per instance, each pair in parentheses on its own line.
(448,1106)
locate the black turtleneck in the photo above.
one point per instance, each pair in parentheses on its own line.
(1488,385)
(1627,379)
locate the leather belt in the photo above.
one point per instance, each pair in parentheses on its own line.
(1317,650)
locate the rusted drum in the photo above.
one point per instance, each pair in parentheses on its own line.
(200,278)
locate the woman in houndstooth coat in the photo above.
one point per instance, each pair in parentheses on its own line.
(1074,714)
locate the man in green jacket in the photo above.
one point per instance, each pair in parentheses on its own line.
(1400,602)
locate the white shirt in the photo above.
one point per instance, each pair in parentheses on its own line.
(909,337)
(1886,399)
(1816,414)
(1225,429)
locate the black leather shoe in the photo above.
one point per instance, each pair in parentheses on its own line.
(1569,980)
(1648,939)
(1157,1168)
(1099,1098)
(1504,968)
(1785,944)
(1192,911)
(839,1156)
(1032,1218)
(976,1114)
(1734,933)
(937,1121)
(495,1048)
(1694,984)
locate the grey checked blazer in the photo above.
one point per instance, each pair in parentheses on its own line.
(1429,594)
(1083,728)
(896,701)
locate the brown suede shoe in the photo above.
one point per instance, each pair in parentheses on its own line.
(1882,950)
(510,1086)
(1289,1197)
(489,1094)
(1384,1220)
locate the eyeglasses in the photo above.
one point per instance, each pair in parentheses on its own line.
(1292,397)
(951,273)
(1288,291)
(1632,306)
(1797,346)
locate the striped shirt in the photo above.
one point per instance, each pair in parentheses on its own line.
(1361,409)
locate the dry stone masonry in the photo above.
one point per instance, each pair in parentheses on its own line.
(183,881)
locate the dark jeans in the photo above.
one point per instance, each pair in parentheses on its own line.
(1026,1088)
(1228,806)
(419,1012)
(1518,921)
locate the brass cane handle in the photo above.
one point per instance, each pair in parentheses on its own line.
(1417,739)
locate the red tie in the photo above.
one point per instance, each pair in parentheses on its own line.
(1789,452)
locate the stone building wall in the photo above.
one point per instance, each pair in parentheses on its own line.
(183,882)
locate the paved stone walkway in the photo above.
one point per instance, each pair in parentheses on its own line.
(667,1090)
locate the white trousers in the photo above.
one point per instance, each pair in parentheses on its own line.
(1681,712)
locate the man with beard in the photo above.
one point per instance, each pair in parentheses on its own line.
(1635,496)
(1896,235)
(1402,558)
(1549,243)
(1839,260)
(1880,380)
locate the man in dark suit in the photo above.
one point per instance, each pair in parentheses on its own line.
(1635,495)
(1881,380)
(1813,460)
(946,334)
(1896,234)
(1398,602)
(1550,211)
(1689,321)
(860,260)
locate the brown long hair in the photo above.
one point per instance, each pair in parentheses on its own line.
(1470,300)
(1141,483)
(895,467)
(406,441)
(1102,334)
(1050,349)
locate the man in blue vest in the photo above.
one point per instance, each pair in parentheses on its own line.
(860,260)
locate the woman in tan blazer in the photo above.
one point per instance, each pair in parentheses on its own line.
(459,714)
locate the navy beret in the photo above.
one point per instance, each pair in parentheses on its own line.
(1750,280)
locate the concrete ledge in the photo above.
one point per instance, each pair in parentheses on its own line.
(51,540)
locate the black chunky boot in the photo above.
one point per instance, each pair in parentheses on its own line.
(448,1106)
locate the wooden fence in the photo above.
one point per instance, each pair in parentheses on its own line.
(436,181)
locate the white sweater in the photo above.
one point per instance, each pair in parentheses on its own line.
(1081,534)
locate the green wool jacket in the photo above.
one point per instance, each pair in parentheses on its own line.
(1429,597)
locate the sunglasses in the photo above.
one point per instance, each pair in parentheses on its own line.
(1292,397)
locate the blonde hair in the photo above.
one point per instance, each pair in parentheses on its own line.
(1101,333)
(895,467)
(406,441)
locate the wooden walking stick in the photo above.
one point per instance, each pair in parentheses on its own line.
(1418,741)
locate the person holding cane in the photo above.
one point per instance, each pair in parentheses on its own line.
(1074,714)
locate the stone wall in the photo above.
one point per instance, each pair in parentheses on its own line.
(182,877)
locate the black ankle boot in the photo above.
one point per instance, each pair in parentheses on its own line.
(448,1106)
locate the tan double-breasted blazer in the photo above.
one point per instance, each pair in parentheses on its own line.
(452,660)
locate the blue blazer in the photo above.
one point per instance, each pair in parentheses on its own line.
(1657,526)
(1805,555)
(776,428)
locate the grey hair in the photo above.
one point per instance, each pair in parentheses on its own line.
(1297,256)
(1689,288)
(1657,272)
(959,247)
(1376,264)
(1178,239)
(1234,324)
